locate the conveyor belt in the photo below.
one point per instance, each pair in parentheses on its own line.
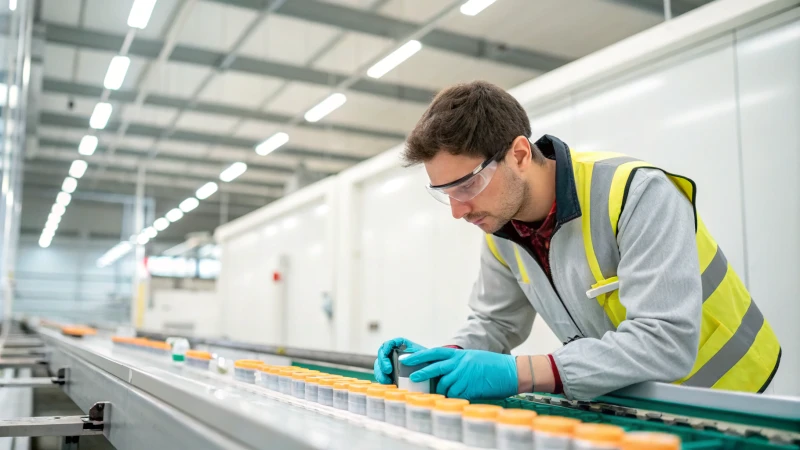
(158,404)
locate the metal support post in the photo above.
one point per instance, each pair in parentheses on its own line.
(37,382)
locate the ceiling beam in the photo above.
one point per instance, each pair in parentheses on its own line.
(43,187)
(74,121)
(199,161)
(364,21)
(58,160)
(53,149)
(657,6)
(52,85)
(130,177)
(150,48)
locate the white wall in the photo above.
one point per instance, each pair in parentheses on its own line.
(296,244)
(194,312)
(718,103)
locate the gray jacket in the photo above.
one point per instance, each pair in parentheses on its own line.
(660,288)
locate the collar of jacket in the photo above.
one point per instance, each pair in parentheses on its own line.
(567,206)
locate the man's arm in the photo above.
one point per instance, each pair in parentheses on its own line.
(661,290)
(502,316)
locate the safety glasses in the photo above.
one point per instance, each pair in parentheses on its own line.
(470,185)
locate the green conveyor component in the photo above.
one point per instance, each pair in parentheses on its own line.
(709,438)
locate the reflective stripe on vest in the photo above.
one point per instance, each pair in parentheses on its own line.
(737,348)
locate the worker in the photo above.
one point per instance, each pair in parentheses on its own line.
(608,249)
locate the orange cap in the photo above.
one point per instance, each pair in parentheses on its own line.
(248,364)
(141,341)
(345,383)
(360,388)
(197,354)
(398,395)
(450,404)
(78,330)
(160,345)
(377,391)
(485,412)
(300,375)
(562,426)
(328,381)
(122,339)
(424,400)
(521,417)
(640,440)
(598,432)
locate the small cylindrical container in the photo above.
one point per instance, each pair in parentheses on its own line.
(642,440)
(375,405)
(285,379)
(245,370)
(299,384)
(198,359)
(446,417)
(553,432)
(269,377)
(340,394)
(312,387)
(179,348)
(418,412)
(596,436)
(357,398)
(404,377)
(394,402)
(515,429)
(479,423)
(325,391)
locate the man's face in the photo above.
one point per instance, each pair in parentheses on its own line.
(496,205)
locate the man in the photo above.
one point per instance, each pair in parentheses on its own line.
(609,250)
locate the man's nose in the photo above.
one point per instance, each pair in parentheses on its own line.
(458,208)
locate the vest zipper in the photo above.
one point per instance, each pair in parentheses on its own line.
(550,278)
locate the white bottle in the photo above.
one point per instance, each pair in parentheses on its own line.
(179,348)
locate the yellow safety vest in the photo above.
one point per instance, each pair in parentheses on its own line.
(738,349)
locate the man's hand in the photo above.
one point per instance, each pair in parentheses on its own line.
(469,374)
(383,365)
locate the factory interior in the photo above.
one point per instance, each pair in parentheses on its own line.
(219,225)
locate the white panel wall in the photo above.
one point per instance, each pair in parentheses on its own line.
(258,308)
(769,91)
(183,311)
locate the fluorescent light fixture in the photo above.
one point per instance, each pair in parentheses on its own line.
(206,190)
(116,72)
(473,7)
(13,96)
(50,228)
(150,232)
(140,13)
(142,239)
(189,204)
(272,144)
(394,59)
(88,145)
(77,168)
(233,172)
(45,241)
(325,107)
(69,185)
(12,5)
(100,115)
(58,210)
(54,219)
(174,215)
(63,198)
(49,233)
(162,224)
(114,253)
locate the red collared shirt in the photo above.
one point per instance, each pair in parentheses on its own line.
(538,238)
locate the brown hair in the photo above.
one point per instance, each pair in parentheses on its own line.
(472,119)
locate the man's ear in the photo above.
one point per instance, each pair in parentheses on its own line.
(520,153)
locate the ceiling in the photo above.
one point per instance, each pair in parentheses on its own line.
(187,109)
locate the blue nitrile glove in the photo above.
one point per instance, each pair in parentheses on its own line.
(469,374)
(383,365)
